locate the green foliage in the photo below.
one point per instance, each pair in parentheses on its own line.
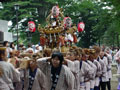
(100,23)
(93,16)
(29,10)
(113,29)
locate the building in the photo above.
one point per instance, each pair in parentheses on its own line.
(4,34)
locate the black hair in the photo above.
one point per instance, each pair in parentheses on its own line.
(59,55)
(2,52)
(11,45)
(29,45)
(4,43)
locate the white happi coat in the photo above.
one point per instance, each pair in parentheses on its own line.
(109,58)
(117,58)
(66,78)
(10,74)
(98,73)
(74,69)
(91,83)
(104,76)
(3,85)
(39,81)
(80,74)
(93,68)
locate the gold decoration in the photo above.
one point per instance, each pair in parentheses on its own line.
(64,49)
(2,48)
(24,64)
(54,28)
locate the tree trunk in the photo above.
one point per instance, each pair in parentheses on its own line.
(117,39)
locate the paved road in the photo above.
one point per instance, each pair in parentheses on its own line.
(114,81)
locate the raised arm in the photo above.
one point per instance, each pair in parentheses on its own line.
(42,62)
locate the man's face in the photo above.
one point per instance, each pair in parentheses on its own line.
(87,57)
(101,54)
(91,57)
(78,57)
(13,45)
(84,57)
(96,55)
(30,51)
(70,56)
(37,47)
(33,64)
(7,44)
(55,62)
(107,51)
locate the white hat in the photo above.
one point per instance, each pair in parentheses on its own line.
(29,49)
(37,45)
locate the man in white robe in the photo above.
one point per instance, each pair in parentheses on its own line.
(66,78)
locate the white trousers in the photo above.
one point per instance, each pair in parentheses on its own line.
(92,83)
(87,85)
(82,86)
(97,81)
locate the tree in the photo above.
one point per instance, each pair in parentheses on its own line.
(29,10)
(113,30)
(97,18)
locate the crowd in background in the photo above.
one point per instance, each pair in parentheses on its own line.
(35,68)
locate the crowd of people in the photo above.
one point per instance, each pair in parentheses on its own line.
(35,68)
